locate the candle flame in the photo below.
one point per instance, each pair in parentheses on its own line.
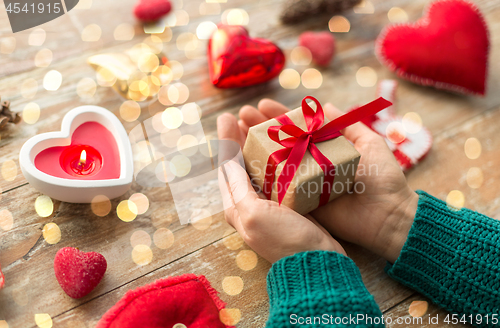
(83,157)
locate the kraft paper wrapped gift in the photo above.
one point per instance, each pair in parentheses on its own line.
(305,189)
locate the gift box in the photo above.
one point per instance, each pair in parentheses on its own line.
(301,160)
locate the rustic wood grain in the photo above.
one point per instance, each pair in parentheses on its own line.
(27,259)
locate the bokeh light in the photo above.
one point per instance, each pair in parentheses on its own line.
(141,202)
(31,113)
(246,260)
(312,78)
(4,324)
(52,80)
(232,285)
(37,37)
(130,111)
(232,240)
(140,237)
(86,88)
(205,30)
(124,32)
(100,205)
(412,122)
(29,88)
(339,24)
(395,132)
(171,118)
(235,16)
(475,177)
(170,138)
(364,7)
(163,75)
(43,320)
(84,4)
(43,58)
(105,77)
(6,220)
(180,165)
(230,317)
(472,148)
(455,199)
(44,206)
(289,79)
(201,219)
(366,76)
(191,113)
(163,238)
(397,15)
(301,56)
(126,211)
(186,145)
(142,255)
(418,308)
(7,45)
(91,33)
(179,325)
(51,233)
(9,170)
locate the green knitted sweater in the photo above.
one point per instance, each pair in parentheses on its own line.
(452,257)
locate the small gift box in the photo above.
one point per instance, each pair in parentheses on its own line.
(301,162)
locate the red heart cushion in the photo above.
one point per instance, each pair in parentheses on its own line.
(186,299)
(151,10)
(236,60)
(447,48)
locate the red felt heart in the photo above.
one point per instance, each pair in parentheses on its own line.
(320,44)
(447,48)
(2,279)
(236,60)
(78,272)
(186,299)
(89,134)
(151,10)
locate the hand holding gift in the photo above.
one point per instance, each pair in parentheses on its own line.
(378,219)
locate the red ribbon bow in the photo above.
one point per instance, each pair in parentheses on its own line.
(300,141)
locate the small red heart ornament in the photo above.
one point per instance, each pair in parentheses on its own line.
(320,44)
(78,272)
(2,279)
(188,300)
(447,48)
(151,10)
(237,60)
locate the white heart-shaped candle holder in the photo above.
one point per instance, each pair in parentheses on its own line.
(81,180)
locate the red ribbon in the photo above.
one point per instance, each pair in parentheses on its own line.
(300,141)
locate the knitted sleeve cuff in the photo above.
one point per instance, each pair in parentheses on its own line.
(453,257)
(319,284)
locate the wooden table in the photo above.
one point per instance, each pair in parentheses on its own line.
(27,258)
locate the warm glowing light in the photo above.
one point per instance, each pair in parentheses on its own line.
(364,7)
(232,240)
(472,148)
(300,56)
(232,285)
(412,122)
(289,79)
(37,37)
(395,132)
(397,15)
(246,260)
(339,24)
(43,320)
(31,113)
(312,78)
(455,199)
(418,308)
(366,77)
(52,80)
(230,317)
(44,206)
(51,233)
(83,157)
(6,220)
(475,177)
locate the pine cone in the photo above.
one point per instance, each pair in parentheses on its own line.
(296,11)
(6,116)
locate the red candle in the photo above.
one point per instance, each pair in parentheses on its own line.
(92,155)
(81,160)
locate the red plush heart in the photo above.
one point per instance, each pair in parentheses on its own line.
(236,60)
(151,10)
(320,44)
(186,299)
(78,272)
(447,48)
(2,279)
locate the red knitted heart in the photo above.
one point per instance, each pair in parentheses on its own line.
(151,10)
(186,299)
(321,45)
(78,272)
(447,48)
(236,60)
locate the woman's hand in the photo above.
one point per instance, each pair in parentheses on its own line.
(380,217)
(273,231)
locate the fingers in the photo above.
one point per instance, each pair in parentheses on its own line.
(243,126)
(243,194)
(353,132)
(231,214)
(251,116)
(228,129)
(271,108)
